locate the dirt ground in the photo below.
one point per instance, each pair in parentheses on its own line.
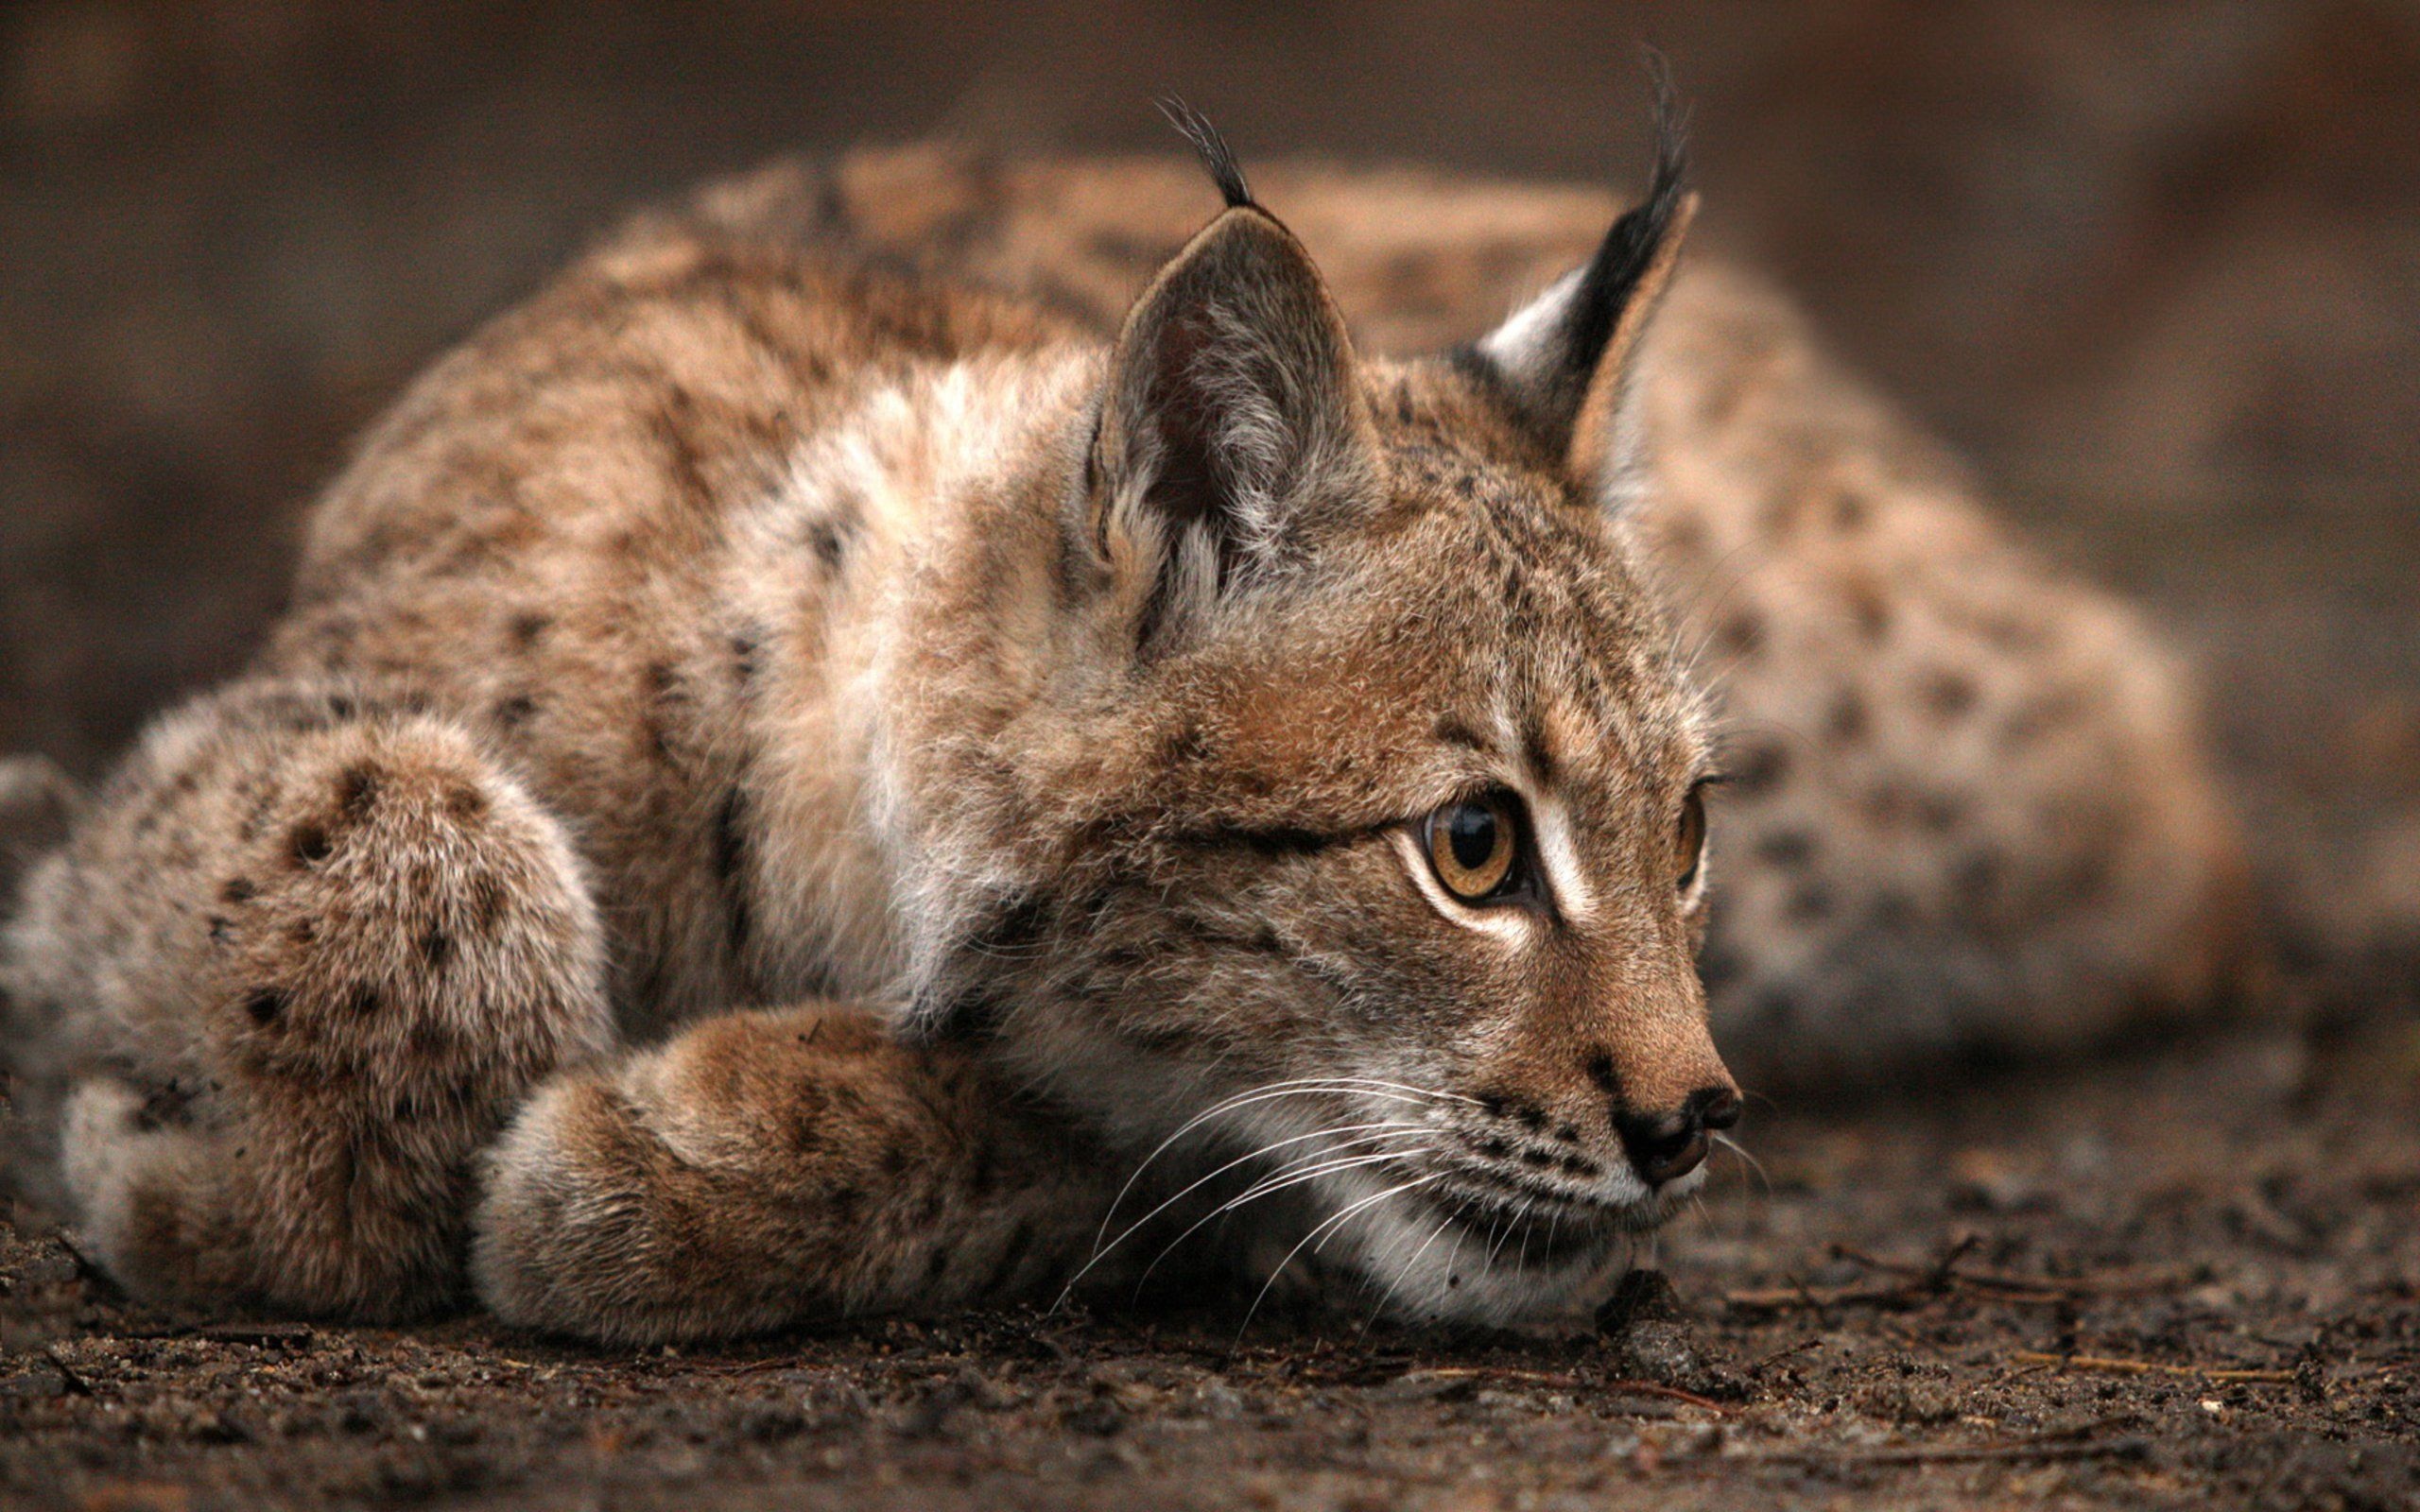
(2186,1280)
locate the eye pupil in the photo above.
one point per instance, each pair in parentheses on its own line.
(1471,831)
(1475,846)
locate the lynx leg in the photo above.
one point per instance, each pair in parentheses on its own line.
(294,969)
(769,1168)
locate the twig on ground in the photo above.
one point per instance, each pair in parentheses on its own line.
(1508,1374)
(1946,1272)
(2032,1449)
(2106,1365)
(1625,1386)
(1920,1283)
(251,1333)
(1779,1355)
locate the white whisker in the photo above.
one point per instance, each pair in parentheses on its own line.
(1327,1227)
(1268,1091)
(1726,1141)
(1293,1176)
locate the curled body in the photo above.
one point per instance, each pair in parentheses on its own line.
(809,754)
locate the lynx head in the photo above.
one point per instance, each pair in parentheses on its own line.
(1338,794)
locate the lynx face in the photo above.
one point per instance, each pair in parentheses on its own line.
(1360,805)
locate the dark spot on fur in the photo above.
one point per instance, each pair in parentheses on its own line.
(527,630)
(514,712)
(1938,812)
(1539,1159)
(357,791)
(1529,1116)
(1574,1165)
(221,930)
(745,646)
(466,804)
(1495,1148)
(238,890)
(266,1006)
(1609,1081)
(364,1003)
(1847,722)
(2045,715)
(1807,903)
(436,947)
(846,1204)
(1016,926)
(1185,746)
(1977,880)
(1892,909)
(1741,632)
(1951,694)
(487,900)
(308,845)
(1759,767)
(1454,732)
(829,543)
(731,869)
(1868,609)
(167,1106)
(1787,848)
(1718,967)
(303,931)
(1568,1133)
(1848,510)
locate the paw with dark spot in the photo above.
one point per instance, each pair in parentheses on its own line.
(308,844)
(357,792)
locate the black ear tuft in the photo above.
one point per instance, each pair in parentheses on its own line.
(1563,362)
(1630,249)
(1216,155)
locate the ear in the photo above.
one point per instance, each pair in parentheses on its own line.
(1231,416)
(1564,362)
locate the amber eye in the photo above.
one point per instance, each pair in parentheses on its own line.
(1476,846)
(1692,846)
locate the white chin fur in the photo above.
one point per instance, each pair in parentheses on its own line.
(1423,1269)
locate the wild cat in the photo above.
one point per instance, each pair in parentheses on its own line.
(802,779)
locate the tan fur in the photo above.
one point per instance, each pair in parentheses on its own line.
(806,598)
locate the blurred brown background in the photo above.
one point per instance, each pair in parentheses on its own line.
(2155,267)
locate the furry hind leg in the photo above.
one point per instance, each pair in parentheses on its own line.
(293,968)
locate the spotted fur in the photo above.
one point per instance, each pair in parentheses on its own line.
(804,755)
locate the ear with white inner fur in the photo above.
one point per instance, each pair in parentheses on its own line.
(1566,360)
(1231,415)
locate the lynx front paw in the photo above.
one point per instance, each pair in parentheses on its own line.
(767,1169)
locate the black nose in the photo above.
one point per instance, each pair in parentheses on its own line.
(1673,1144)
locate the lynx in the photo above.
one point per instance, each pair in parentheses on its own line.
(838,762)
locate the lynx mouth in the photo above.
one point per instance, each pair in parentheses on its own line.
(1545,1224)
